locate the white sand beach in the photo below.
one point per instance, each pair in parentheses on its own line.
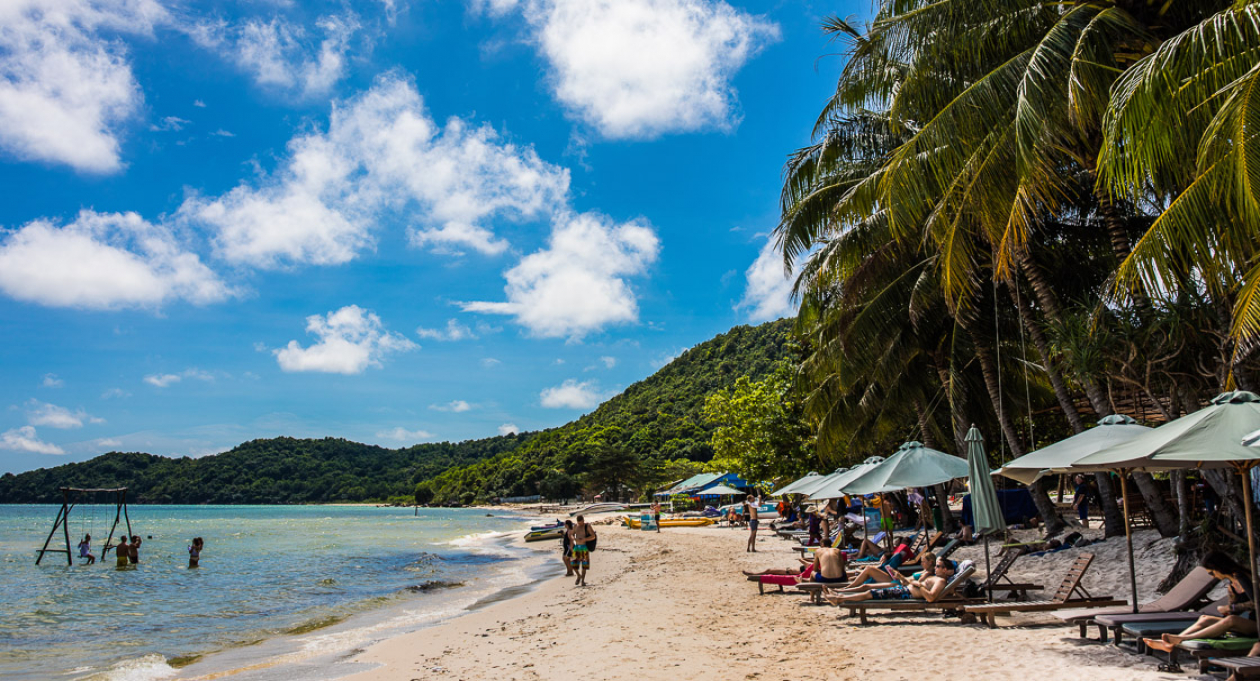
(675,605)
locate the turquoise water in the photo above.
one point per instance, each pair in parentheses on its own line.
(268,573)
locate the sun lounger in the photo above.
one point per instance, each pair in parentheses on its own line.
(1241,668)
(780,580)
(1140,632)
(1205,651)
(997,579)
(1070,594)
(1179,603)
(947,601)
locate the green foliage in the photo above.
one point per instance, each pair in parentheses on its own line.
(761,433)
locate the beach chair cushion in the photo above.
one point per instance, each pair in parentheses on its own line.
(1230,643)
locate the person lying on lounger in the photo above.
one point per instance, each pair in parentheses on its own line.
(828,567)
(1237,617)
(872,577)
(929,589)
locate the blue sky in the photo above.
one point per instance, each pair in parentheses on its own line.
(390,221)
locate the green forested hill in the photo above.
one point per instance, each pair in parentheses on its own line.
(650,430)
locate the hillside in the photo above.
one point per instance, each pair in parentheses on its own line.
(653,421)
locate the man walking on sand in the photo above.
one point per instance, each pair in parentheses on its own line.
(656,515)
(583,536)
(750,512)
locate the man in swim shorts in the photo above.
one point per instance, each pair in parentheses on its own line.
(929,589)
(829,566)
(750,511)
(583,533)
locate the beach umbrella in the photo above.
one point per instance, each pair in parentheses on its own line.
(1211,437)
(833,486)
(795,486)
(718,491)
(986,512)
(1059,457)
(912,466)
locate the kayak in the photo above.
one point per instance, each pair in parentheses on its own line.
(673,522)
(549,533)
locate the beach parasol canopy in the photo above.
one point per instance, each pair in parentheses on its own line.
(717,491)
(795,486)
(831,488)
(1058,457)
(912,466)
(809,487)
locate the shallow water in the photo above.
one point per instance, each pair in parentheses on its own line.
(309,574)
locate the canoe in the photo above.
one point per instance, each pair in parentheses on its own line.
(634,523)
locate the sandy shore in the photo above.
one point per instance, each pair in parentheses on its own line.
(675,604)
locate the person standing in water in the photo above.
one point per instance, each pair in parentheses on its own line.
(750,511)
(133,552)
(123,552)
(85,549)
(194,552)
(583,537)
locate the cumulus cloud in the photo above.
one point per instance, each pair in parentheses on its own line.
(51,381)
(768,294)
(108,442)
(45,414)
(609,362)
(283,55)
(454,331)
(381,158)
(508,429)
(641,68)
(456,406)
(401,434)
(350,340)
(25,439)
(104,261)
(577,284)
(571,395)
(64,87)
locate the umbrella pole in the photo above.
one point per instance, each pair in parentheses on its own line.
(1245,472)
(1128,536)
(987,569)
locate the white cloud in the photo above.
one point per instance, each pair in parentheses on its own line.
(51,381)
(382,158)
(508,429)
(490,362)
(108,442)
(115,394)
(44,414)
(64,87)
(24,439)
(768,294)
(165,380)
(104,261)
(199,104)
(401,434)
(282,55)
(170,123)
(350,340)
(571,395)
(223,133)
(641,68)
(609,362)
(666,357)
(577,284)
(454,331)
(456,406)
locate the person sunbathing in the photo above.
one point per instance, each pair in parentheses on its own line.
(929,589)
(878,578)
(828,567)
(1237,617)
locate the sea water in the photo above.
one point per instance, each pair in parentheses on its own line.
(281,592)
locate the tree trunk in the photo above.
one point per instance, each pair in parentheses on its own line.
(1161,511)
(1113,517)
(1045,507)
(1052,370)
(942,502)
(1182,493)
(957,414)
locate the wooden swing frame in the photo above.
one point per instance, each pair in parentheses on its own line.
(63,519)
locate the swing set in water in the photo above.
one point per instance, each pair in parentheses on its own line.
(72,497)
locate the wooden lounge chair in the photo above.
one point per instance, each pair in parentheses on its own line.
(1070,594)
(947,601)
(1240,668)
(1205,652)
(997,579)
(1179,603)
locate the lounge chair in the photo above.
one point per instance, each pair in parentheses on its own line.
(1152,626)
(1179,603)
(1070,594)
(780,580)
(1205,651)
(997,579)
(947,601)
(1241,668)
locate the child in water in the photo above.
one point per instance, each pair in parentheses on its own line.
(85,549)
(194,552)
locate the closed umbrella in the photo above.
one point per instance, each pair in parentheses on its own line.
(1211,437)
(986,512)
(1058,457)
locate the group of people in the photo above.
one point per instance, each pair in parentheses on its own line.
(578,542)
(128,551)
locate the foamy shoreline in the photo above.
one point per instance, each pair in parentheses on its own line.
(675,604)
